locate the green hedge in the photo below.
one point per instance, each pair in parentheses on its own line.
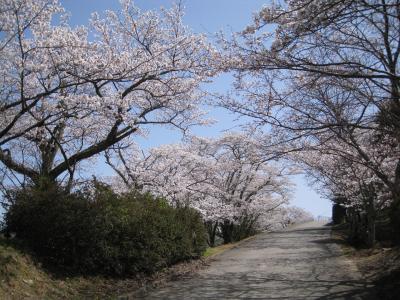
(97,231)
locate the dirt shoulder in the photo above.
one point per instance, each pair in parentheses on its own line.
(378,265)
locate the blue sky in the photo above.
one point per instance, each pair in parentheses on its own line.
(208,17)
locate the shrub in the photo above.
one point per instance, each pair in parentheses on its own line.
(97,231)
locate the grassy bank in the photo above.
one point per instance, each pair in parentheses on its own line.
(22,277)
(213,251)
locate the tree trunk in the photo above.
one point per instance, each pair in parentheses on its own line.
(212,232)
(227,232)
(338,214)
(370,220)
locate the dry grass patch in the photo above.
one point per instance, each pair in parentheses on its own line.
(378,265)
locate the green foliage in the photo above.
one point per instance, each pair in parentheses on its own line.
(97,231)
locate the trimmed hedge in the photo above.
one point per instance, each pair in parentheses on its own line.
(97,231)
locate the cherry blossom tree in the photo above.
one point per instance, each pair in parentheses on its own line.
(66,97)
(286,216)
(347,179)
(228,179)
(322,72)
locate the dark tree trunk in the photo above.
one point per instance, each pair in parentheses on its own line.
(227,232)
(395,207)
(338,214)
(212,232)
(370,223)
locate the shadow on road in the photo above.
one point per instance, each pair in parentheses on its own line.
(302,263)
(232,286)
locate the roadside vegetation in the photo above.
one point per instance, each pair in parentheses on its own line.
(95,231)
(24,275)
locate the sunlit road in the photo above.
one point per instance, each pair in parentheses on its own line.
(304,262)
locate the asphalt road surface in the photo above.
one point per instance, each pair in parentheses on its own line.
(304,262)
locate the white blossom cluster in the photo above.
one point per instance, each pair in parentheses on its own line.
(342,174)
(68,94)
(323,75)
(223,178)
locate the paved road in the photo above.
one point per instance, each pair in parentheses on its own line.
(301,263)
